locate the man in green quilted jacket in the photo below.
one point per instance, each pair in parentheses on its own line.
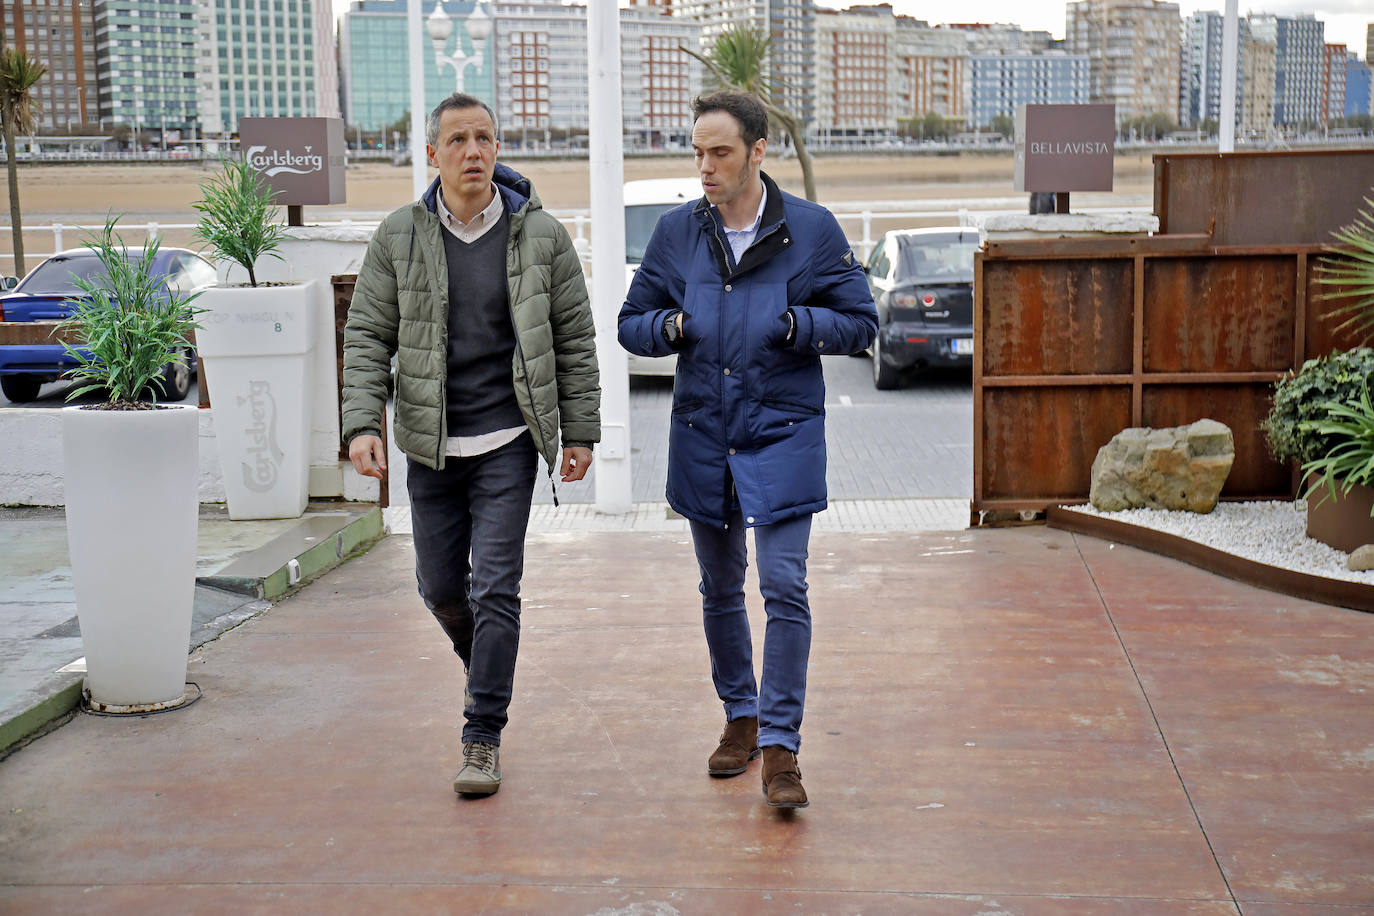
(478,294)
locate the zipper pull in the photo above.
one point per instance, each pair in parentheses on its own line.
(554,487)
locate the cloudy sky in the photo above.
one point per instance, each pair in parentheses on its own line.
(1345,19)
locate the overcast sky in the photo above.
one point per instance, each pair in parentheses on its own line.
(1345,19)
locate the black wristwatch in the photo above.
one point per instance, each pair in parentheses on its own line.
(671,332)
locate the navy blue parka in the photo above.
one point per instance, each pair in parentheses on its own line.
(748,417)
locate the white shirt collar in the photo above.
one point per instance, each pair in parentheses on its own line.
(758,216)
(489,214)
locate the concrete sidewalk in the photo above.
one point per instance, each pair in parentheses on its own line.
(998,721)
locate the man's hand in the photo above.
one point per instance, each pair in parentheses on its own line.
(575,463)
(369,456)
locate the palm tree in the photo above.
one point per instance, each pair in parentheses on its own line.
(18,115)
(738,61)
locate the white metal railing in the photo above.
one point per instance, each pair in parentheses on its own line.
(68,235)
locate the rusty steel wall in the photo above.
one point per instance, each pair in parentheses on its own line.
(1279,198)
(1077,339)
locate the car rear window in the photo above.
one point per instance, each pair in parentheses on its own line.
(56,276)
(947,258)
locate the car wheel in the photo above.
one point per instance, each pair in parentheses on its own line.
(20,388)
(885,377)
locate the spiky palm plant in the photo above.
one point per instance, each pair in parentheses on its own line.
(238,218)
(19,114)
(1347,274)
(739,61)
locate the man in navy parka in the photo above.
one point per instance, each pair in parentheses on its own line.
(750,286)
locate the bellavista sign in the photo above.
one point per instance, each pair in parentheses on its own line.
(1065,147)
(301,158)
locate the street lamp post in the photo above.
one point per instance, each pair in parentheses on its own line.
(439,27)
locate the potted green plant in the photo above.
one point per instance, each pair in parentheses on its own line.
(1302,427)
(130,474)
(1344,474)
(256,341)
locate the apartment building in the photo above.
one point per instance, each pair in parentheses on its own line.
(60,35)
(374,61)
(931,70)
(1358,84)
(1134,48)
(1200,72)
(258,58)
(856,80)
(1333,83)
(1000,82)
(532,70)
(1255,95)
(791,27)
(147,65)
(1299,53)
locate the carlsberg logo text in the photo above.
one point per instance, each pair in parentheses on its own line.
(284,160)
(262,459)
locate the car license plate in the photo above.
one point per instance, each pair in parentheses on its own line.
(962,346)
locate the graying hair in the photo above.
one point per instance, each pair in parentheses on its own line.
(453,102)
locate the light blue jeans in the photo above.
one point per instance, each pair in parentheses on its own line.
(782,553)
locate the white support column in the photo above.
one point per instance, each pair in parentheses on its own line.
(1226,125)
(613,492)
(419,177)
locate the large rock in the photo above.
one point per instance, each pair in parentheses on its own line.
(1361,560)
(1183,467)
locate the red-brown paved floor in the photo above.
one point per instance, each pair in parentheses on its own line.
(1012,721)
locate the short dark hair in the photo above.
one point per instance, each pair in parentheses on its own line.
(453,102)
(745,108)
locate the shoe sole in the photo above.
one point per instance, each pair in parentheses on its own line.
(474,790)
(785,805)
(755,754)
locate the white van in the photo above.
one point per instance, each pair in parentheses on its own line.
(645,202)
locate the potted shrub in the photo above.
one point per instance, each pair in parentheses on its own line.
(131,468)
(256,340)
(1302,427)
(1344,475)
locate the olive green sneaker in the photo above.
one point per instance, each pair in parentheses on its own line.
(481,772)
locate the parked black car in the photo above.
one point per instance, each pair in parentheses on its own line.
(922,284)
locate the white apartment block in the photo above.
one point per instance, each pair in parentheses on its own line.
(1134,48)
(856,75)
(1256,90)
(790,25)
(262,58)
(541,58)
(932,70)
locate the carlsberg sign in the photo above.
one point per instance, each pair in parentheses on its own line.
(301,158)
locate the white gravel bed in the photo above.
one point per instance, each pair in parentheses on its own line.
(1274,533)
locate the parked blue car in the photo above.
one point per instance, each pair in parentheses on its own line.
(46,297)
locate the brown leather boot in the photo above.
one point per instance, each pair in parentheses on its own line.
(782,779)
(739,744)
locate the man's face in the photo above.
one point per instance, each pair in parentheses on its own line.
(466,152)
(725,164)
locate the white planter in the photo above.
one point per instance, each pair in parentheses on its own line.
(257,344)
(130,479)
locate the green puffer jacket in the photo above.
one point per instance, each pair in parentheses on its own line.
(400,307)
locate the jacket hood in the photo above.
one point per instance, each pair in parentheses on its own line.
(512,186)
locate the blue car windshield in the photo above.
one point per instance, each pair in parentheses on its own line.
(57,275)
(937,258)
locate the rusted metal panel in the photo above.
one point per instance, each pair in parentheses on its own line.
(1056,317)
(30,333)
(1220,314)
(1243,408)
(1041,442)
(1279,198)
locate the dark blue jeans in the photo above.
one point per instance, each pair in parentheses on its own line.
(469,522)
(782,553)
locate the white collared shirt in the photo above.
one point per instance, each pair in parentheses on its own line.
(741,239)
(476,227)
(469,232)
